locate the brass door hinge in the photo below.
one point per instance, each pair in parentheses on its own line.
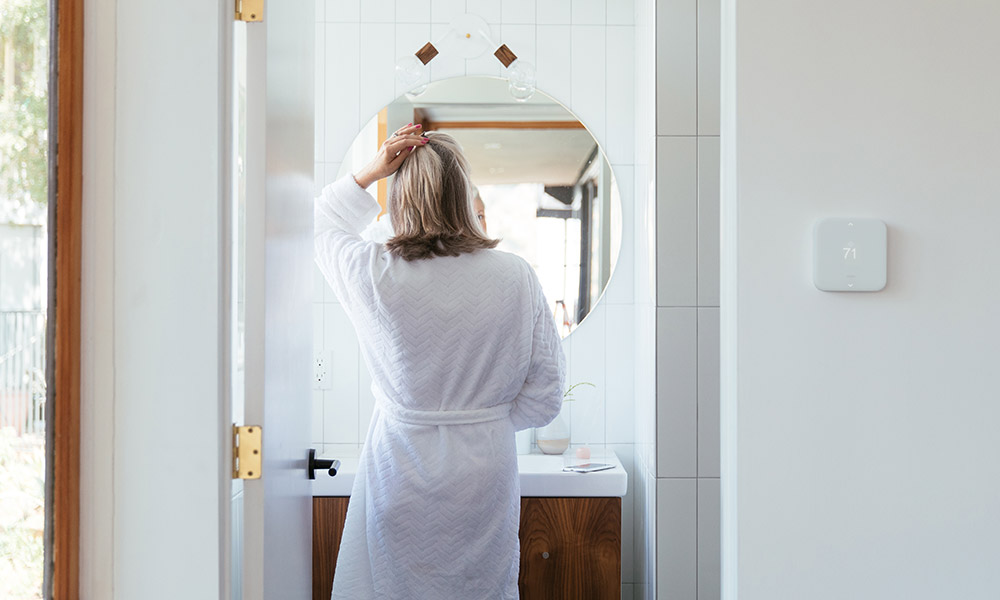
(246,452)
(249,10)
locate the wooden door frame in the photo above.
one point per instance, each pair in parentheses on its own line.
(65,212)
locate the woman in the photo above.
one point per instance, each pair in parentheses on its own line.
(463,352)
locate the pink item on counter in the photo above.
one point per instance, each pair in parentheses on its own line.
(583,452)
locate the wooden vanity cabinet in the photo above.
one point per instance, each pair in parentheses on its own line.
(571,548)
(329,513)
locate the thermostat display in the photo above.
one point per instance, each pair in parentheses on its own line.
(849,255)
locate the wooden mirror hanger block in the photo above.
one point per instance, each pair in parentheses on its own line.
(427,53)
(504,55)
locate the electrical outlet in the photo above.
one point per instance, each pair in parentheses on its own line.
(322,363)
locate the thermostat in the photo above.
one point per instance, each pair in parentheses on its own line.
(849,255)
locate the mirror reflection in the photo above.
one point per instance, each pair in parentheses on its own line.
(544,187)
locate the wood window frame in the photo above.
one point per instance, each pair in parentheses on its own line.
(65,248)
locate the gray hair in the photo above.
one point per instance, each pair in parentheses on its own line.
(430,203)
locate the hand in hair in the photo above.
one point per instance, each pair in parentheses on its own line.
(391,155)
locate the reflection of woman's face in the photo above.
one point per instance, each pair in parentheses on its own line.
(480,212)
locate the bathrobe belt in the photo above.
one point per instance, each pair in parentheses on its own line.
(442,417)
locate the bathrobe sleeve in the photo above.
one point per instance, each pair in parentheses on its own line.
(347,261)
(541,395)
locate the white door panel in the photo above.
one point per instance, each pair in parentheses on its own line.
(272,554)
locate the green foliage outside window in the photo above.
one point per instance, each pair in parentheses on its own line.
(24,60)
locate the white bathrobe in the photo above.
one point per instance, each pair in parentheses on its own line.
(463,351)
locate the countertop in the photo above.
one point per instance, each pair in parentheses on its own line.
(541,475)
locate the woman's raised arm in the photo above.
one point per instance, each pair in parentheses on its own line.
(344,209)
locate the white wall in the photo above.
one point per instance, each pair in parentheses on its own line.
(867,446)
(584,51)
(151,466)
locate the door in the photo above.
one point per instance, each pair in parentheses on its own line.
(269,225)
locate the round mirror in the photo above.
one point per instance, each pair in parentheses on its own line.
(546,189)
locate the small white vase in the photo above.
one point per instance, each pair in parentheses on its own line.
(554,437)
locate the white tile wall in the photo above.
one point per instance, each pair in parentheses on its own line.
(378,82)
(589,12)
(708,221)
(677,392)
(413,11)
(709,51)
(677,221)
(676,67)
(619,360)
(553,12)
(621,12)
(708,392)
(588,77)
(340,415)
(588,420)
(517,11)
(709,541)
(677,538)
(489,10)
(378,11)
(342,87)
(346,450)
(585,54)
(343,11)
(620,49)
(645,386)
(443,11)
(319,91)
(316,431)
(554,67)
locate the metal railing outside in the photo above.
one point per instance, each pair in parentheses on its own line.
(22,370)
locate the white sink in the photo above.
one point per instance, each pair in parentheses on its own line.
(541,475)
